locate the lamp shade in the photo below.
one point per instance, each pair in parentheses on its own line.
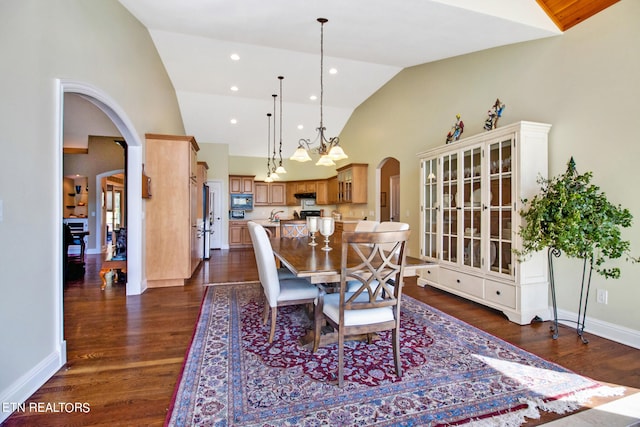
(325,160)
(300,155)
(281,169)
(337,153)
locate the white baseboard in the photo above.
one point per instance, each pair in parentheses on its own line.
(610,331)
(32,380)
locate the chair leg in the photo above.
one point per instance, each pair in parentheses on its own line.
(340,358)
(396,352)
(318,317)
(274,314)
(265,312)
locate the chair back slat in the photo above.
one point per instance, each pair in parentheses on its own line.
(293,229)
(378,271)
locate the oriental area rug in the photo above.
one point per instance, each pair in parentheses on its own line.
(453,373)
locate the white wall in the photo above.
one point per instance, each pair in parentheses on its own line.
(584,83)
(101,44)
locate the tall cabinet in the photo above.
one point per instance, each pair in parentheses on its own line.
(171,212)
(471,194)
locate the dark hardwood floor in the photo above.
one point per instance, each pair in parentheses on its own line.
(125,353)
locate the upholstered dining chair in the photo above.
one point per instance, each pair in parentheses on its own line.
(278,292)
(374,306)
(366,225)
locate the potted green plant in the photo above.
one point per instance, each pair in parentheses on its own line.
(573,216)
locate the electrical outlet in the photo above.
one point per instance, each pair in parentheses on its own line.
(602,296)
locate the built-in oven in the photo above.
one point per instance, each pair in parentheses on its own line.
(242,202)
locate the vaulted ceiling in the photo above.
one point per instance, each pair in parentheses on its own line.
(366,41)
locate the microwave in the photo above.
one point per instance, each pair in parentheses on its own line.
(242,202)
(236,214)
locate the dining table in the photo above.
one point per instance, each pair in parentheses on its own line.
(323,268)
(320,266)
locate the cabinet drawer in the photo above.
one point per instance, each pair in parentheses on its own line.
(501,293)
(430,274)
(466,283)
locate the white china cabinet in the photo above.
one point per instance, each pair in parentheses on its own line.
(471,194)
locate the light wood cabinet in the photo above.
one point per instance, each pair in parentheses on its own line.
(269,193)
(306,187)
(294,187)
(322,192)
(332,190)
(239,234)
(341,226)
(471,194)
(242,184)
(171,214)
(352,183)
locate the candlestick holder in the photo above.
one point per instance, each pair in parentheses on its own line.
(327,227)
(312,226)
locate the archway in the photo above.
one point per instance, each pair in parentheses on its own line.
(388,190)
(134,171)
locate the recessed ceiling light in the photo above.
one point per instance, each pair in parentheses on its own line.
(300,127)
(333,71)
(235,57)
(234,88)
(234,121)
(313,97)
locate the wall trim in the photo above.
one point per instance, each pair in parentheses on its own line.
(610,331)
(31,381)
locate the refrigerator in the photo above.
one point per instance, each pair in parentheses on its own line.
(207,222)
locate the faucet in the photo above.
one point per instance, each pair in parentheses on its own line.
(272,217)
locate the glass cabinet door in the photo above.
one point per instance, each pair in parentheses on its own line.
(430,199)
(449,203)
(472,207)
(501,206)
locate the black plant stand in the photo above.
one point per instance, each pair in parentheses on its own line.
(584,296)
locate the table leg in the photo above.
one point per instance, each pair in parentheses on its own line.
(103,273)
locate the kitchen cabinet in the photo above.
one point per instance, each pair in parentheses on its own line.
(322,192)
(295,187)
(171,213)
(242,184)
(341,226)
(239,234)
(352,183)
(470,196)
(269,193)
(332,190)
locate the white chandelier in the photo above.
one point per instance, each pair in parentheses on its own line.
(329,148)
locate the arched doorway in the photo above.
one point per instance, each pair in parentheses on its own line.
(388,204)
(134,171)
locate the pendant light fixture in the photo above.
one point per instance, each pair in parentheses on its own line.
(329,148)
(268,178)
(280,169)
(274,174)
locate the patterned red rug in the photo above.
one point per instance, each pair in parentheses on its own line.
(453,373)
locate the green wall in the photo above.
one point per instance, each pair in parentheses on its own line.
(99,44)
(584,83)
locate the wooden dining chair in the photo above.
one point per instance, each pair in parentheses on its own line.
(293,229)
(277,292)
(374,305)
